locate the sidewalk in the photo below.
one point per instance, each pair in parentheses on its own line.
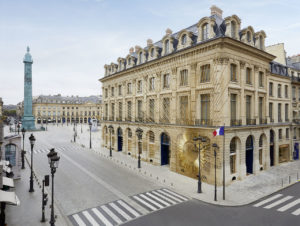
(243,192)
(29,213)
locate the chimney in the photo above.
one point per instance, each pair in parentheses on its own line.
(168,31)
(149,42)
(131,50)
(216,11)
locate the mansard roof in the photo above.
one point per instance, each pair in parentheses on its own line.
(67,99)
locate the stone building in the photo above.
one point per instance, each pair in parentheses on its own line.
(190,83)
(57,108)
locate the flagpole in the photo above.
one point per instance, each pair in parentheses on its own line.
(224,164)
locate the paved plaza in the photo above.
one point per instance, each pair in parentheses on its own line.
(92,188)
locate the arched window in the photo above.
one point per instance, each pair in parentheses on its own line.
(152,52)
(233,29)
(10,153)
(183,39)
(167,48)
(151,137)
(260,141)
(141,57)
(248,36)
(233,148)
(205,32)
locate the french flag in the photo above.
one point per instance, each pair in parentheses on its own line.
(219,132)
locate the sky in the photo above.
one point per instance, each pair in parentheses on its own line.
(71,40)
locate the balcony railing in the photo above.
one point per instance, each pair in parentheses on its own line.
(287,120)
(271,120)
(183,121)
(150,120)
(203,122)
(128,119)
(111,118)
(164,120)
(296,121)
(119,119)
(280,120)
(235,122)
(139,119)
(105,118)
(250,121)
(262,121)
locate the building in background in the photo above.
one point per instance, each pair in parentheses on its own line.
(191,82)
(60,109)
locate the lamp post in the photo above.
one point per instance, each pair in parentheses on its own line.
(53,160)
(23,152)
(215,146)
(110,148)
(32,141)
(203,140)
(90,125)
(18,126)
(139,133)
(75,134)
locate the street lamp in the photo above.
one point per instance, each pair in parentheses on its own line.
(90,125)
(203,140)
(53,160)
(139,133)
(23,152)
(32,141)
(75,134)
(215,146)
(110,131)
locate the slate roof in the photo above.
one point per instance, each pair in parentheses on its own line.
(67,99)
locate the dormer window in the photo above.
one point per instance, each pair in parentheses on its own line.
(233,29)
(205,32)
(183,39)
(167,46)
(248,36)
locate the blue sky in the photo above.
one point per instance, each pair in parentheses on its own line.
(71,40)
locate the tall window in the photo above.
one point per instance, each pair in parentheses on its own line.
(271,89)
(248,76)
(120,110)
(167,46)
(286,91)
(140,109)
(183,39)
(233,75)
(233,29)
(233,98)
(166,81)
(205,73)
(151,109)
(280,134)
(294,93)
(205,107)
(129,88)
(120,90)
(248,107)
(184,77)
(279,91)
(233,147)
(279,113)
(261,79)
(286,112)
(260,107)
(166,109)
(184,107)
(204,32)
(129,110)
(151,84)
(271,112)
(287,133)
(139,86)
(112,91)
(106,111)
(112,111)
(106,93)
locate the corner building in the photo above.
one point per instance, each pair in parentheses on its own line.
(190,83)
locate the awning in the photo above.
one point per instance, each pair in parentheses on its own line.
(9,197)
(8,182)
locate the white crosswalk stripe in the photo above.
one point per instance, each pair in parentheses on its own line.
(90,218)
(101,217)
(164,197)
(290,205)
(131,210)
(297,212)
(278,202)
(267,200)
(111,214)
(173,193)
(78,220)
(125,215)
(170,196)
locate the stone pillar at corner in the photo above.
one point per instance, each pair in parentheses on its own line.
(28,119)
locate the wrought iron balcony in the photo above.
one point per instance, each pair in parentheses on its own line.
(150,120)
(271,120)
(280,120)
(250,121)
(262,121)
(119,119)
(139,119)
(128,119)
(111,118)
(183,121)
(235,122)
(203,122)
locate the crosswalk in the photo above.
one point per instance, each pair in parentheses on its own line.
(281,203)
(119,211)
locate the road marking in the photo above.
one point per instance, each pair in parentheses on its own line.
(296,212)
(111,214)
(170,196)
(161,196)
(78,220)
(158,199)
(101,217)
(150,200)
(90,218)
(294,203)
(128,208)
(278,202)
(267,200)
(146,204)
(177,195)
(125,215)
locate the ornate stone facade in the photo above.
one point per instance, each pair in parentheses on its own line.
(190,83)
